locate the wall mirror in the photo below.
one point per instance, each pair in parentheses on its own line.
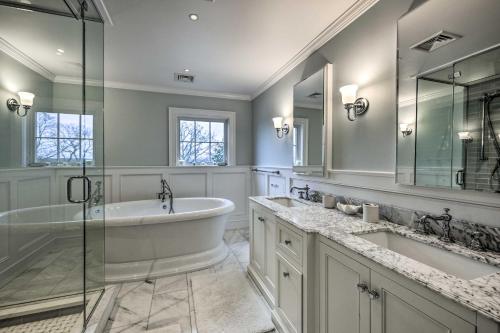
(309,125)
(449,95)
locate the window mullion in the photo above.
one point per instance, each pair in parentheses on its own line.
(58,138)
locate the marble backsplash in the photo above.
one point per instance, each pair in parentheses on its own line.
(461,230)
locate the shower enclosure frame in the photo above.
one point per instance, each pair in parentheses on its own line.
(98,169)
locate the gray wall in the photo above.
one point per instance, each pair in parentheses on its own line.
(364,53)
(136,125)
(15,77)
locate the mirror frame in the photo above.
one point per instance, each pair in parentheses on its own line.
(326,145)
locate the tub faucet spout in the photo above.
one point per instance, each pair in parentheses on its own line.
(166,191)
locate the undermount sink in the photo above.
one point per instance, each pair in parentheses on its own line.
(448,262)
(288,202)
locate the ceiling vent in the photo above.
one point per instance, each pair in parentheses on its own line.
(315,95)
(436,41)
(183,77)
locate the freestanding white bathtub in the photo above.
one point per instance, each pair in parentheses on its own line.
(144,241)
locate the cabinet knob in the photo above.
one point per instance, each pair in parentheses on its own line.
(362,287)
(286,274)
(373,294)
(288,242)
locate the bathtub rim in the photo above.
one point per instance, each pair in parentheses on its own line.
(124,221)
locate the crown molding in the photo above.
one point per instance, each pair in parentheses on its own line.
(24,59)
(152,88)
(349,16)
(103,11)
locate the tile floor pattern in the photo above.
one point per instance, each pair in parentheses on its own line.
(166,304)
(57,272)
(61,324)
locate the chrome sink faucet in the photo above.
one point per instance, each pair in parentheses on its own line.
(166,191)
(302,191)
(423,225)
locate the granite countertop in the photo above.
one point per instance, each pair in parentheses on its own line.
(481,294)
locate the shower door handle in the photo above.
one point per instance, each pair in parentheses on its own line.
(459,177)
(86,191)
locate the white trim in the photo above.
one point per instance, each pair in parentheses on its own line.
(175,113)
(308,106)
(370,173)
(152,88)
(304,124)
(349,16)
(24,59)
(103,11)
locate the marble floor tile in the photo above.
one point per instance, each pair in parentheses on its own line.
(171,283)
(233,236)
(171,307)
(132,305)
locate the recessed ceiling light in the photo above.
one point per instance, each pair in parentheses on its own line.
(186,70)
(59,51)
(193,17)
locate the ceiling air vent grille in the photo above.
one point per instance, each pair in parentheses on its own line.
(183,77)
(435,41)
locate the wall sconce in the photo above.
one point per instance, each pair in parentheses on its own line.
(405,129)
(26,101)
(465,137)
(354,106)
(281,129)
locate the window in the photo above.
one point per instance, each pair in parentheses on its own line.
(202,142)
(201,137)
(64,138)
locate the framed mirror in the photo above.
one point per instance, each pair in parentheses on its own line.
(449,95)
(309,118)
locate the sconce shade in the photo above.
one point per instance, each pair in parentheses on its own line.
(278,122)
(349,93)
(26,98)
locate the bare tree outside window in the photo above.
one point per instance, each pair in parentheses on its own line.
(202,142)
(64,138)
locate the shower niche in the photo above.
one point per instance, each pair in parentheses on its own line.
(449,96)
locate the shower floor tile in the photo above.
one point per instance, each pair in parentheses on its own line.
(166,304)
(58,272)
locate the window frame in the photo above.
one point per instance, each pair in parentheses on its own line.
(59,138)
(209,120)
(177,114)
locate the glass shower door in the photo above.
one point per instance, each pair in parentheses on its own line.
(94,168)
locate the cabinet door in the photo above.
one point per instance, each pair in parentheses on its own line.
(270,235)
(398,309)
(289,295)
(344,306)
(258,253)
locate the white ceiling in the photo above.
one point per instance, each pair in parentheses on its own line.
(236,48)
(233,48)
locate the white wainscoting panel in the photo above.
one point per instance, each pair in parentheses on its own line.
(185,185)
(34,192)
(259,186)
(139,186)
(232,186)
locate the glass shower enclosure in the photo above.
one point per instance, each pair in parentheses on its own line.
(51,158)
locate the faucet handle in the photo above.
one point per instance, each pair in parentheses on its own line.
(446,210)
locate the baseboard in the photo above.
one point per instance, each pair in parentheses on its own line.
(237,222)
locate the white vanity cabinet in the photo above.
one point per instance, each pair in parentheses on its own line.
(262,266)
(358,296)
(316,285)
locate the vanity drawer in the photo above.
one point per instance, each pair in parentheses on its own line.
(289,296)
(290,243)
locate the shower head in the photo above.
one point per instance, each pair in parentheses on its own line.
(489,97)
